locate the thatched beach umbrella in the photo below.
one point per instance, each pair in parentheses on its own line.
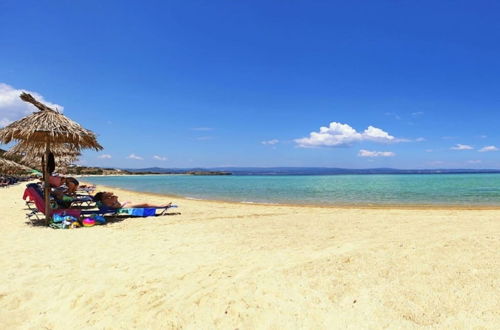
(61,161)
(49,128)
(10,167)
(31,153)
(31,149)
(5,166)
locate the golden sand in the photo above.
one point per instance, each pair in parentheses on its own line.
(226,266)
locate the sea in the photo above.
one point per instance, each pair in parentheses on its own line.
(325,190)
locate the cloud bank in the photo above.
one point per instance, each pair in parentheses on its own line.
(340,135)
(134,156)
(462,147)
(488,148)
(13,108)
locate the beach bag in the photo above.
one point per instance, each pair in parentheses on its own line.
(60,221)
(71,212)
(99,219)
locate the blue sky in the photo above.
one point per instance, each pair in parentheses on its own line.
(401,84)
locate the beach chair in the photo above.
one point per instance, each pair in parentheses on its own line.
(76,201)
(87,189)
(134,212)
(30,196)
(33,195)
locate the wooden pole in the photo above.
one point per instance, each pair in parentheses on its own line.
(46,175)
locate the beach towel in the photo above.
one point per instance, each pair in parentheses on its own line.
(137,212)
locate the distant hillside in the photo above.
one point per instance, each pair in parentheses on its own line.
(85,170)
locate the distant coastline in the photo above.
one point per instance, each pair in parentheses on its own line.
(86,170)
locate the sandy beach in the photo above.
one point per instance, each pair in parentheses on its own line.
(237,266)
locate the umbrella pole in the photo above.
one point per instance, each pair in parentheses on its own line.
(47,185)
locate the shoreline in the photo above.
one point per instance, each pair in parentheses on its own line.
(330,206)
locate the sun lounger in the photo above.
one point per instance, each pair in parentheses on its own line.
(35,202)
(134,212)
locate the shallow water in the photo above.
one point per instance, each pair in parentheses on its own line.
(414,189)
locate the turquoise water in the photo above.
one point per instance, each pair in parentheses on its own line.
(415,189)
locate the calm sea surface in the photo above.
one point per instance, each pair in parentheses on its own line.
(426,189)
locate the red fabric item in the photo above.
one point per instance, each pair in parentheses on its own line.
(33,195)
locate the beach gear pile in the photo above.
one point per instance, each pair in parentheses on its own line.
(72,216)
(67,221)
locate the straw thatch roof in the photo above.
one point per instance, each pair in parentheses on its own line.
(48,125)
(29,149)
(10,167)
(61,161)
(30,154)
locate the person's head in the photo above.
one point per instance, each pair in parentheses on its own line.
(56,181)
(98,196)
(106,198)
(72,184)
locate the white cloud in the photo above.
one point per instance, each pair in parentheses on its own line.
(474,161)
(13,108)
(134,156)
(368,153)
(417,114)
(462,147)
(339,135)
(488,148)
(270,142)
(105,156)
(159,157)
(420,139)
